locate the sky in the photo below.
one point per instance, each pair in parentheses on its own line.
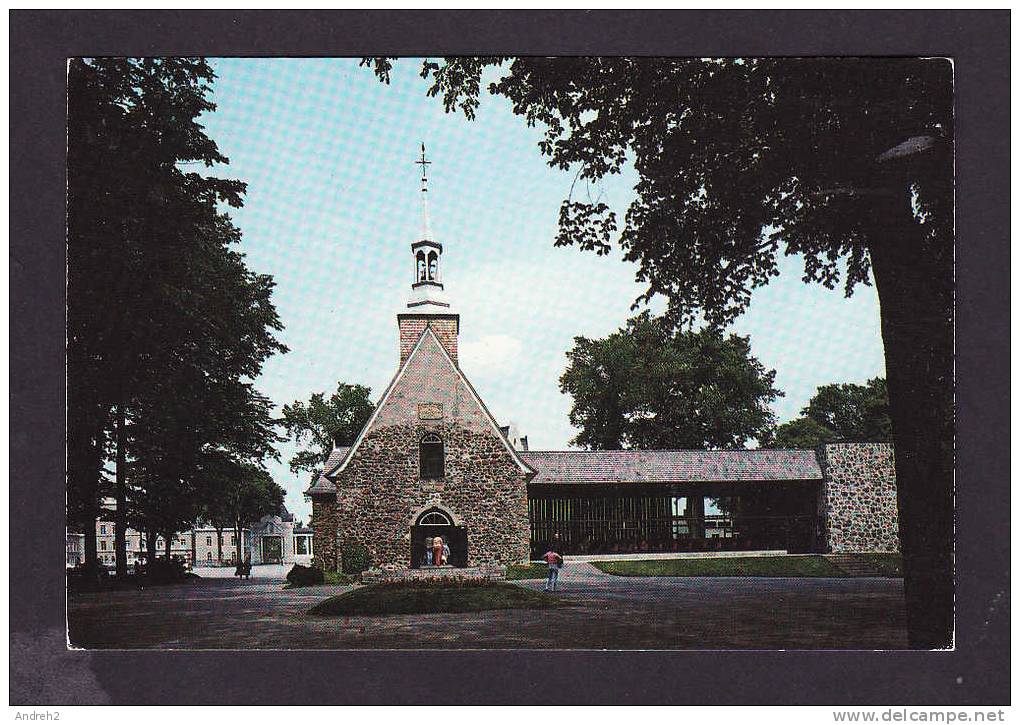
(333,204)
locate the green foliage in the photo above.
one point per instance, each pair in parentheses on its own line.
(839,412)
(518,572)
(164,571)
(165,321)
(354,558)
(321,424)
(725,566)
(801,432)
(305,576)
(853,412)
(646,386)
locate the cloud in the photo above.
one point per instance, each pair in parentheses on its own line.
(490,353)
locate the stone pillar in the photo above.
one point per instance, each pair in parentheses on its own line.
(324,539)
(859,497)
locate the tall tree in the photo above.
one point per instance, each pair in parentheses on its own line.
(321,424)
(166,325)
(648,386)
(846,162)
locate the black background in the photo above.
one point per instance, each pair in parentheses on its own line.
(977,672)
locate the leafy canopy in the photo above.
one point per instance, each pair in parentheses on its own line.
(845,411)
(321,423)
(646,386)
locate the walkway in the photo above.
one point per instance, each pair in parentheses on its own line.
(273,572)
(604,612)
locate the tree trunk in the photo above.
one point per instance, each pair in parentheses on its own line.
(168,543)
(120,515)
(150,546)
(219,545)
(914,279)
(91,497)
(237,541)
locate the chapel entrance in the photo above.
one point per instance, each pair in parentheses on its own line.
(437,523)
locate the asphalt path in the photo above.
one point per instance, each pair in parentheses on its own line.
(602,612)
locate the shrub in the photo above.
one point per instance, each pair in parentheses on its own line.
(305,576)
(162,571)
(354,559)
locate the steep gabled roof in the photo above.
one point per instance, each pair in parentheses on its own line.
(580,467)
(426,333)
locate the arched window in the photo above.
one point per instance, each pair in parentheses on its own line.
(433,266)
(431,457)
(420,265)
(434,518)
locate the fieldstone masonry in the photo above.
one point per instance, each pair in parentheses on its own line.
(859,497)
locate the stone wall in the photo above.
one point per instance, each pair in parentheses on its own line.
(859,497)
(380,494)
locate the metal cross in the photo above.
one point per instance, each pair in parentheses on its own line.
(423,163)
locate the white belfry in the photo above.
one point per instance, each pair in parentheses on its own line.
(427,293)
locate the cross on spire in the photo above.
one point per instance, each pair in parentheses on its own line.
(423,163)
(426,230)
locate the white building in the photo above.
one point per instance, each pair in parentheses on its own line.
(272,540)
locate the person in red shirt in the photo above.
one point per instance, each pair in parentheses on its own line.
(554,562)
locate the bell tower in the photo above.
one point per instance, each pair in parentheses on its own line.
(427,305)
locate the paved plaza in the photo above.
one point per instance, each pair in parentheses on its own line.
(604,612)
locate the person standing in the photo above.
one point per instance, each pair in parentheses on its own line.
(554,561)
(446,553)
(437,550)
(428,551)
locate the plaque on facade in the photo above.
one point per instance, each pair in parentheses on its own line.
(430,411)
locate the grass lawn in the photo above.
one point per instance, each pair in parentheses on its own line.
(885,564)
(516,572)
(809,565)
(428,598)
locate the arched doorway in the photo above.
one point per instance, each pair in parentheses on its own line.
(432,523)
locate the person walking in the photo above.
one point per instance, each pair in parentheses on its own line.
(554,561)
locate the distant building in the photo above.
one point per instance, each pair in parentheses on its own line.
(212,549)
(272,540)
(75,548)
